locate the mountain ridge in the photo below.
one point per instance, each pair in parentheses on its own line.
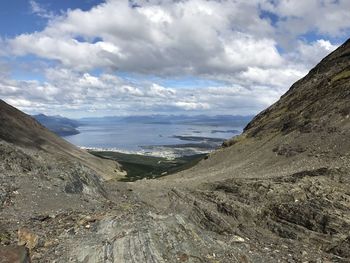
(324,74)
(23,130)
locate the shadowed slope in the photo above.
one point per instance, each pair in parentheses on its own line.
(22,130)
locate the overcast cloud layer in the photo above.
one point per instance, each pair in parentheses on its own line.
(130,57)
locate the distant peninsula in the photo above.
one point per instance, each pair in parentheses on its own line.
(60,125)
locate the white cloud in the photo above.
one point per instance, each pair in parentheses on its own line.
(156,90)
(192,105)
(298,17)
(227,41)
(20,103)
(78,93)
(273,77)
(312,53)
(194,36)
(37,9)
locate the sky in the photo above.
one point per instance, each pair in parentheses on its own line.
(80,58)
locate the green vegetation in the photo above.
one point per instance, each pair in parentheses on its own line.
(141,166)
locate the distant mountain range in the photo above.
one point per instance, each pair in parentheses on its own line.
(230,120)
(63,126)
(60,125)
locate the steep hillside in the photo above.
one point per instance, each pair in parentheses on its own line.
(45,183)
(307,128)
(318,102)
(24,131)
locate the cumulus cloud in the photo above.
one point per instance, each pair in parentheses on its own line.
(37,9)
(311,53)
(67,91)
(184,37)
(188,105)
(255,49)
(298,17)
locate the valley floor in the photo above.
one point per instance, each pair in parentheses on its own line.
(281,207)
(142,166)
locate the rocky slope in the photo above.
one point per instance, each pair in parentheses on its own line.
(41,175)
(282,186)
(277,193)
(23,131)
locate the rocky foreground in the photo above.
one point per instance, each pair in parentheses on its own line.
(280,192)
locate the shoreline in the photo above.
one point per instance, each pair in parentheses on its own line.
(168,152)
